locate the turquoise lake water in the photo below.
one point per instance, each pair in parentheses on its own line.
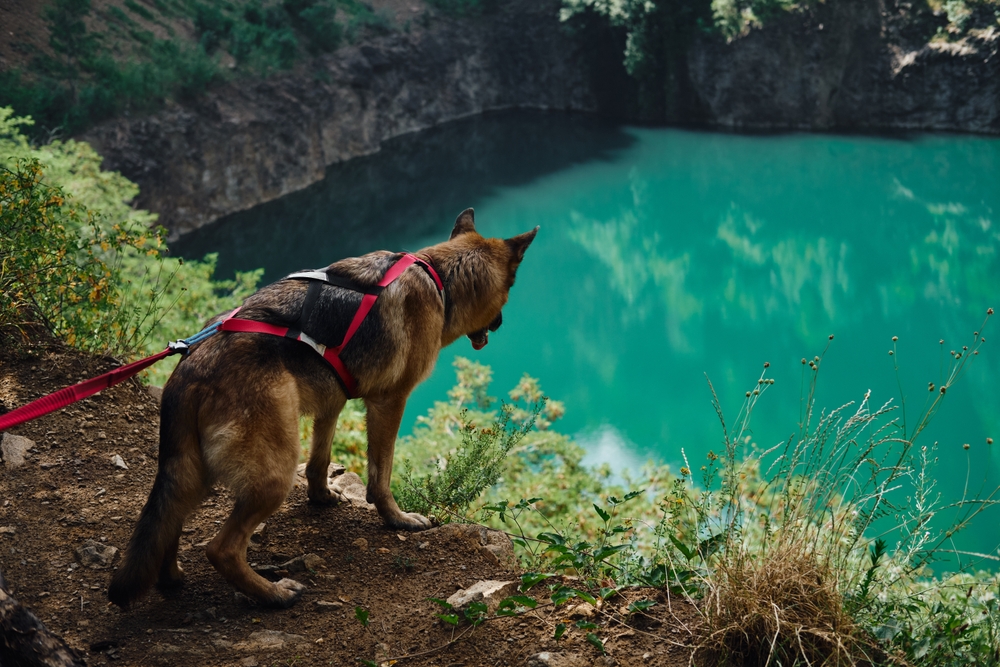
(666,256)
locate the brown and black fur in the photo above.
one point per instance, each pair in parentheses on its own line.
(230,411)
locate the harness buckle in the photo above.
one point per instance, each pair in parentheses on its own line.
(179,346)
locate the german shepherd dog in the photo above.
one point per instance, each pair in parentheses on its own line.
(230,410)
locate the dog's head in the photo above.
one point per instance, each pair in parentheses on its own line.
(479,274)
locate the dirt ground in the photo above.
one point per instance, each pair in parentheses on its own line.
(70,490)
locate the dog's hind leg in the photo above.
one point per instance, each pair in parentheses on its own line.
(384,416)
(178,489)
(324,427)
(256,459)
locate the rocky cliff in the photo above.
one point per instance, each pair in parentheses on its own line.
(839,65)
(250,142)
(848,65)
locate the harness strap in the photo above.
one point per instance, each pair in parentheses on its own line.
(332,354)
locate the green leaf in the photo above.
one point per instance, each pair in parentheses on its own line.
(606,593)
(641,605)
(524,601)
(601,513)
(633,494)
(709,546)
(560,630)
(595,640)
(368,663)
(442,603)
(561,594)
(450,619)
(529,579)
(604,552)
(586,597)
(585,625)
(683,548)
(362,615)
(476,613)
(552,538)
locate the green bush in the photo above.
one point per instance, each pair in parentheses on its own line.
(150,297)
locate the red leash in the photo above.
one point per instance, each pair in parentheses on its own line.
(77,392)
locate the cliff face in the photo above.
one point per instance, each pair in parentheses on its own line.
(842,64)
(250,142)
(849,64)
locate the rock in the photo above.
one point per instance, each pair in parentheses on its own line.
(323,605)
(118,462)
(489,592)
(269,640)
(259,535)
(546,659)
(584,610)
(310,562)
(8,530)
(361,543)
(351,489)
(249,661)
(95,555)
(155,392)
(14,449)
(493,544)
(334,470)
(196,162)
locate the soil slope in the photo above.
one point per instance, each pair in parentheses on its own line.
(71,489)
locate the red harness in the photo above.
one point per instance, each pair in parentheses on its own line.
(332,354)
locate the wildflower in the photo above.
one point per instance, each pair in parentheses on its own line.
(685,471)
(831,337)
(890,353)
(989,311)
(943,389)
(895,338)
(989,441)
(803,361)
(930,386)
(748,394)
(767,364)
(965,446)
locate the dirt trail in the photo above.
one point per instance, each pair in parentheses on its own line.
(71,489)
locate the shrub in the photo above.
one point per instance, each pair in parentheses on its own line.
(150,297)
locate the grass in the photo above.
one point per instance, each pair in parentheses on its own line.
(814,552)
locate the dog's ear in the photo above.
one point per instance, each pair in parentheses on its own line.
(518,244)
(466,222)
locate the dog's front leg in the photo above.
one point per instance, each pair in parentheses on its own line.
(384,416)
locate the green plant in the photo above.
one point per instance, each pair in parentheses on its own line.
(476,465)
(58,268)
(146,298)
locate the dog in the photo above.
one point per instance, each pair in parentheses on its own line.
(230,411)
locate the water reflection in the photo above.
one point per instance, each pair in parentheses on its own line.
(406,194)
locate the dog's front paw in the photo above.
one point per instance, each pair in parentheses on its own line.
(288,592)
(409,521)
(323,496)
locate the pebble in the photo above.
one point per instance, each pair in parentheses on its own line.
(118,462)
(360,543)
(14,449)
(95,555)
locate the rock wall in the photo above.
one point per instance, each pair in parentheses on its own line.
(848,65)
(246,142)
(839,65)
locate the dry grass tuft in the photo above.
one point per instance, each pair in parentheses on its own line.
(779,608)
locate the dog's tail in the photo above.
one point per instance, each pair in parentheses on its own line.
(176,491)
